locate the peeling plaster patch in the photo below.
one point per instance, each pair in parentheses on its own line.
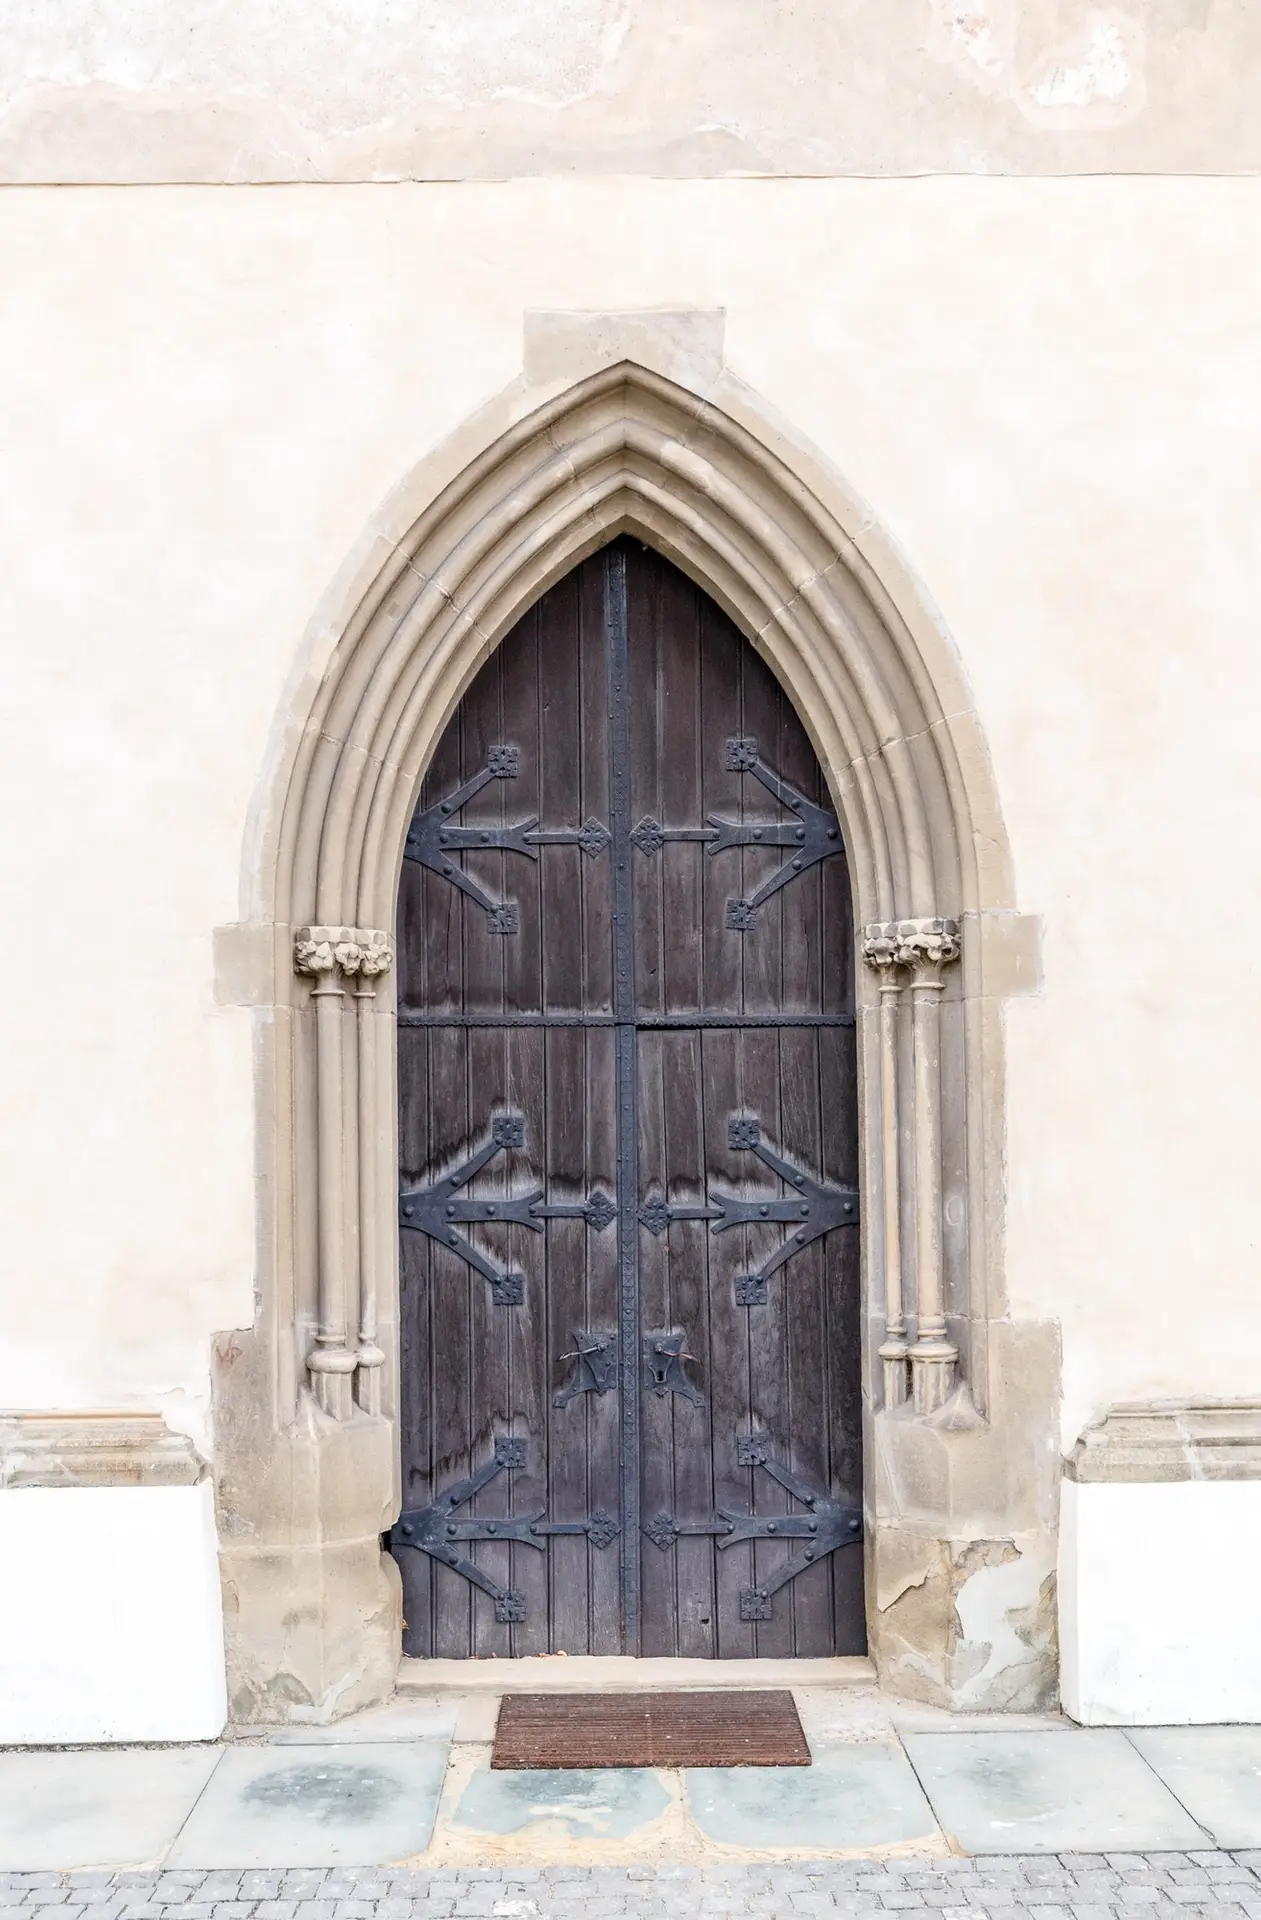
(971,32)
(186,1412)
(482,47)
(993,1605)
(978,38)
(1096,80)
(373,55)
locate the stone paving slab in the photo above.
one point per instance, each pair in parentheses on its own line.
(1215,1772)
(99,1806)
(1196,1885)
(853,1797)
(409,1783)
(314,1806)
(1033,1792)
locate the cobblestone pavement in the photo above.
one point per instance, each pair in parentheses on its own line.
(1067,1886)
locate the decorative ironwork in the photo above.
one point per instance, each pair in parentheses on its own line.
(433,839)
(645,1022)
(601,1529)
(650,836)
(432,1531)
(626,1093)
(592,837)
(595,1368)
(664,1357)
(435,1211)
(818,1209)
(598,1212)
(814,835)
(827,1526)
(657,1213)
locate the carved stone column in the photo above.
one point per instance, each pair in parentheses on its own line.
(880,951)
(926,946)
(332,956)
(376,959)
(918,949)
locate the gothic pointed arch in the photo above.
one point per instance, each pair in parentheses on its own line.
(540,480)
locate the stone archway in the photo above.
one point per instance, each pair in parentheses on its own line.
(635,426)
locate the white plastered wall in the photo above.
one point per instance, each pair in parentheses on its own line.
(1049,392)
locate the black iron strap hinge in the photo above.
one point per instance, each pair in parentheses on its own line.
(432,1530)
(434,839)
(436,1210)
(828,1525)
(813,833)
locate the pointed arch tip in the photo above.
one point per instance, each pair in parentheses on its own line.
(518,495)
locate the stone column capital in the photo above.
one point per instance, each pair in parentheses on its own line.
(348,950)
(919,944)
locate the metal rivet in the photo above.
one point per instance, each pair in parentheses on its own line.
(849,1206)
(491,1527)
(809,1553)
(799,1179)
(763,1211)
(757,833)
(454,1239)
(771,1527)
(800,834)
(408,1212)
(814,1526)
(450,1533)
(834,833)
(805,1213)
(447,867)
(797,864)
(408,1532)
(450,1213)
(799,1235)
(490,1212)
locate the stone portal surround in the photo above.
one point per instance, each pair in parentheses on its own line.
(626,423)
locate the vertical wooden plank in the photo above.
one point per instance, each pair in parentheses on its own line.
(763,993)
(658,1588)
(728,1351)
(721,719)
(562,1167)
(688,1310)
(601,1411)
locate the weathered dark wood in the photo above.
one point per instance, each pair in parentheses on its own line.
(750,1729)
(525,1023)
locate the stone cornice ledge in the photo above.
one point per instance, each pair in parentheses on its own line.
(94,1450)
(1193,1440)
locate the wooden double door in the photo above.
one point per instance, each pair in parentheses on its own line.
(628,1184)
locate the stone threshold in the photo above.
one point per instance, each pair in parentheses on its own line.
(598,1673)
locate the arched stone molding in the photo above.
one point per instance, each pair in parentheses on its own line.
(625,425)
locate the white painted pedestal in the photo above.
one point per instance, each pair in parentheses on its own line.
(1160,1599)
(111,1624)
